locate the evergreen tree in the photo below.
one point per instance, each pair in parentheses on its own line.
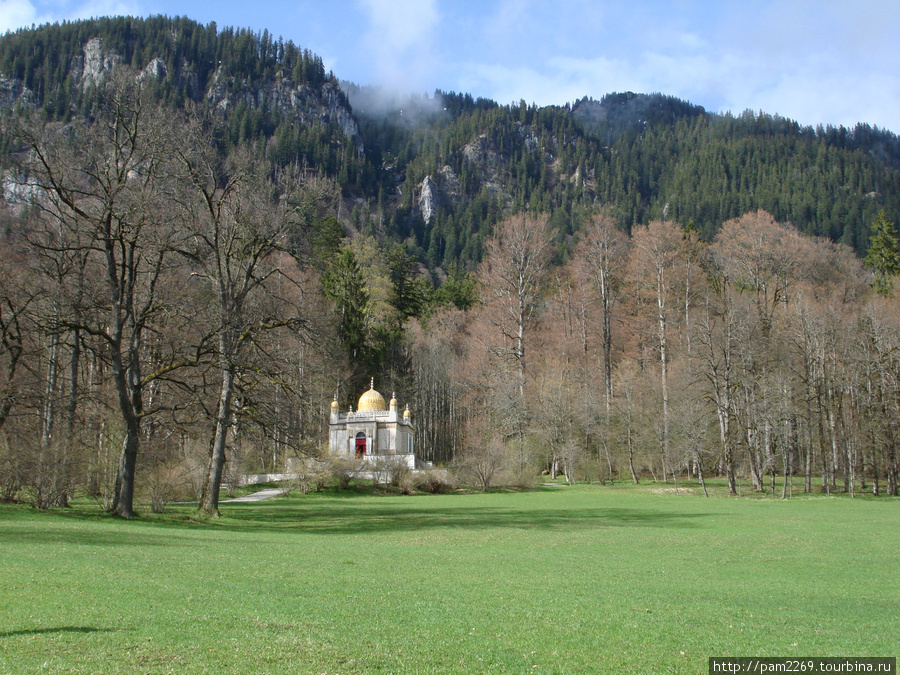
(883,257)
(343,284)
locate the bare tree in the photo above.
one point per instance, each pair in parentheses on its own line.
(512,278)
(602,258)
(631,413)
(241,222)
(108,180)
(655,254)
(761,257)
(512,275)
(718,333)
(482,458)
(437,351)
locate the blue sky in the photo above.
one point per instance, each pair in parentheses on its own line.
(816,61)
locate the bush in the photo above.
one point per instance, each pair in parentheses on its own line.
(437,481)
(308,472)
(343,470)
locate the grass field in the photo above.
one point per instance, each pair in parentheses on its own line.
(582,579)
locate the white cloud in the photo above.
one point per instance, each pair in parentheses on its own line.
(96,8)
(399,40)
(16,13)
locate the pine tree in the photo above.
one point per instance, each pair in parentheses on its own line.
(883,257)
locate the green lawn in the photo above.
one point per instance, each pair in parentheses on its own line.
(582,579)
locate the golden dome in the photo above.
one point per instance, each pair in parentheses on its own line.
(371,400)
(334,404)
(406,413)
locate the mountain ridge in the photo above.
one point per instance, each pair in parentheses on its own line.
(438,172)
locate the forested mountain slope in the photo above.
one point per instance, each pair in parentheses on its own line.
(662,159)
(439,172)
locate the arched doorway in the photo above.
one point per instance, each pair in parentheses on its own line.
(360,444)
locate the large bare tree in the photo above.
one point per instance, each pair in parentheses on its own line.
(242,218)
(602,258)
(512,276)
(656,250)
(107,183)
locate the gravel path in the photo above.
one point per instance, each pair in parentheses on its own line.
(257,496)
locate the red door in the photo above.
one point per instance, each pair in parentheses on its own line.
(360,447)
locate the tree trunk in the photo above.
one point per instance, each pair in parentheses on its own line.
(753,454)
(807,469)
(700,475)
(826,483)
(727,451)
(210,500)
(129,392)
(664,369)
(46,466)
(784,466)
(123,504)
(68,444)
(607,350)
(50,393)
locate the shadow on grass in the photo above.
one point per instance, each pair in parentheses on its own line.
(342,519)
(58,629)
(336,514)
(55,534)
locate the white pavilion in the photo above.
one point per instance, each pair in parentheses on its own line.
(375,432)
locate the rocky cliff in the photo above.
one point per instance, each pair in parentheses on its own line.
(307,104)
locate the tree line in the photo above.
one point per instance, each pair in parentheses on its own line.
(764,354)
(182,295)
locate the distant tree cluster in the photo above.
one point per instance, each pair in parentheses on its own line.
(763,354)
(644,157)
(42,57)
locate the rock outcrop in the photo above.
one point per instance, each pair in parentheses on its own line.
(155,70)
(94,64)
(306,103)
(430,199)
(11,90)
(441,191)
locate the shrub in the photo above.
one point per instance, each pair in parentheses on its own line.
(405,479)
(437,481)
(343,470)
(309,471)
